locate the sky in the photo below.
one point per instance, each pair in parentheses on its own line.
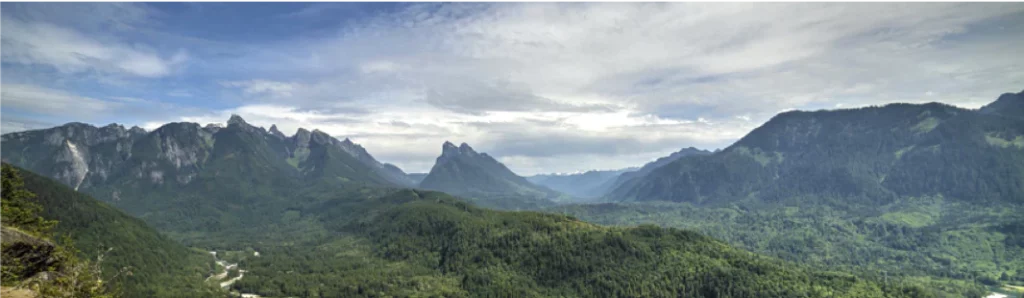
(542,87)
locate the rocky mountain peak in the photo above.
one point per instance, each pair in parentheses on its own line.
(115,128)
(321,137)
(465,149)
(136,130)
(462,170)
(275,132)
(235,119)
(449,149)
(302,137)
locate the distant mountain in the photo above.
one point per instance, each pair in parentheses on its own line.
(866,155)
(206,172)
(158,266)
(1008,105)
(464,172)
(588,184)
(630,177)
(416,177)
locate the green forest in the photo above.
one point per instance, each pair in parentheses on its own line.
(949,245)
(137,261)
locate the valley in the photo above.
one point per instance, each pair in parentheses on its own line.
(511,149)
(847,203)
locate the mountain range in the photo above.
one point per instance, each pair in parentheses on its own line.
(913,184)
(383,242)
(588,184)
(871,155)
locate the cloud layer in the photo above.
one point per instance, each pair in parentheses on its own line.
(545,87)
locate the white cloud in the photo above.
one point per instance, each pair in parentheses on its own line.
(69,51)
(567,86)
(311,10)
(179,93)
(52,102)
(263,87)
(554,85)
(411,136)
(379,66)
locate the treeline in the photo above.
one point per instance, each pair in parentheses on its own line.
(31,259)
(429,244)
(955,247)
(137,260)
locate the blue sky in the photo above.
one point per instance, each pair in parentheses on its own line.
(544,87)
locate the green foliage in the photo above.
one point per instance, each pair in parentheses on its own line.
(77,277)
(17,209)
(67,276)
(419,243)
(931,240)
(135,257)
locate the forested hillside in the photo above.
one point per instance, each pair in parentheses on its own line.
(951,246)
(868,155)
(930,192)
(409,243)
(136,260)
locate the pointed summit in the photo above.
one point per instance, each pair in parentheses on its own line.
(449,149)
(276,133)
(322,137)
(235,119)
(463,171)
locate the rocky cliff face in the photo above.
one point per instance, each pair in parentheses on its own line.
(86,157)
(77,154)
(26,255)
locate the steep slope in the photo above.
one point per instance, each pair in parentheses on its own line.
(931,191)
(463,171)
(630,177)
(588,184)
(869,155)
(1007,105)
(77,154)
(183,177)
(423,243)
(158,266)
(329,159)
(392,173)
